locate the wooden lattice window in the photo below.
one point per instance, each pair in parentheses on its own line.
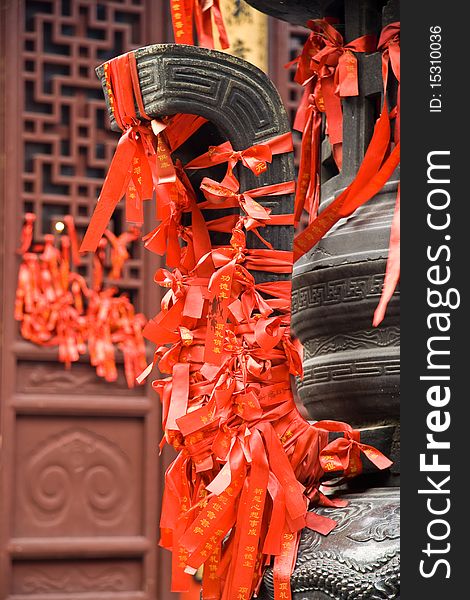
(67,143)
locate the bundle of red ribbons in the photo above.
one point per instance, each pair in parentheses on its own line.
(186,14)
(57,308)
(248,465)
(327,68)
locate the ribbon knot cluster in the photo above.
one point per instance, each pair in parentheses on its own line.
(327,68)
(57,308)
(248,465)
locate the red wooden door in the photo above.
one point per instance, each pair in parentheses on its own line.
(80,474)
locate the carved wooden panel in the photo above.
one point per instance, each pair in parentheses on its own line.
(71,576)
(44,377)
(80,477)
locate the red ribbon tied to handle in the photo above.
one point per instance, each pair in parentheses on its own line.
(336,68)
(375,170)
(343,454)
(337,58)
(216,193)
(328,69)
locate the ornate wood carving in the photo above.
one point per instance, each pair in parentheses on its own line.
(78,476)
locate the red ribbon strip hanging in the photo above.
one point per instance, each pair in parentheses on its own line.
(68,220)
(27,232)
(186,13)
(119,253)
(389,44)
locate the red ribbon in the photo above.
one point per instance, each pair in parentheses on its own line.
(392,271)
(27,233)
(72,233)
(328,70)
(308,185)
(257,215)
(329,67)
(389,43)
(136,161)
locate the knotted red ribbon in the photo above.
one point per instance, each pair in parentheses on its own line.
(373,173)
(328,70)
(376,168)
(185,13)
(140,162)
(337,58)
(257,216)
(307,195)
(333,66)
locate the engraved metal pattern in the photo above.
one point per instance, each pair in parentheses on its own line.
(367,338)
(349,370)
(337,291)
(358,560)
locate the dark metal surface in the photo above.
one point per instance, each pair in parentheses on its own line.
(359,560)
